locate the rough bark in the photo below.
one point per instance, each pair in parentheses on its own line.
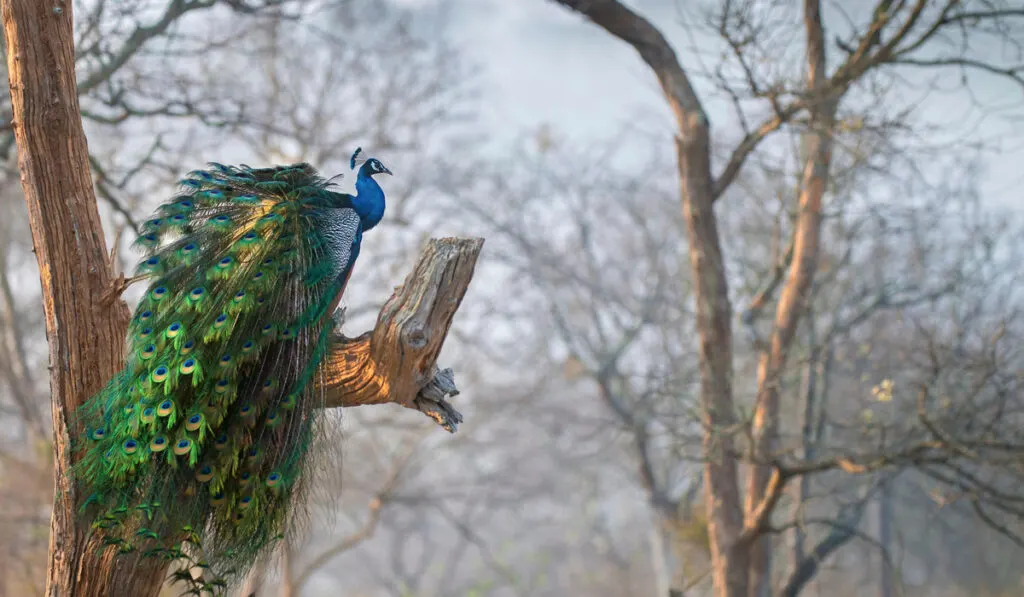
(86,333)
(396,361)
(729,557)
(85,339)
(793,297)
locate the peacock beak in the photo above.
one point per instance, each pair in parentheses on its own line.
(386,171)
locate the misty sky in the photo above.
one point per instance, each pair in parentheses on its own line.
(542,64)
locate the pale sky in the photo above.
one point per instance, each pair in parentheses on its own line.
(542,64)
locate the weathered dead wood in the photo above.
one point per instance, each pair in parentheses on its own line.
(86,322)
(396,362)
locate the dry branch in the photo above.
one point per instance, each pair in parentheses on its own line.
(396,362)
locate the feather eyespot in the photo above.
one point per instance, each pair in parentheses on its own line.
(249,345)
(182,447)
(159,292)
(221,442)
(225,360)
(159,374)
(188,366)
(145,315)
(204,474)
(147,352)
(145,332)
(159,444)
(221,319)
(245,502)
(165,408)
(245,410)
(148,414)
(221,386)
(194,422)
(273,479)
(218,498)
(130,446)
(187,347)
(98,434)
(288,402)
(189,248)
(197,292)
(173,330)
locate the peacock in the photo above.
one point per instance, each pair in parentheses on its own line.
(197,448)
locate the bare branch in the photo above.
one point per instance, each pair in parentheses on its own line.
(396,361)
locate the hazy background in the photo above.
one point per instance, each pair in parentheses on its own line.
(519,122)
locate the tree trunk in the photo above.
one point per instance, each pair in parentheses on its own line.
(793,296)
(729,555)
(85,338)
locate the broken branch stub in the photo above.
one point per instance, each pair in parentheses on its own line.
(397,360)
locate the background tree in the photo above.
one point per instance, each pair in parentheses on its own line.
(894,34)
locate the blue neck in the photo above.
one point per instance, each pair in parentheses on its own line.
(369,200)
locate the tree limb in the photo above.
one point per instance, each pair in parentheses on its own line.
(844,529)
(396,362)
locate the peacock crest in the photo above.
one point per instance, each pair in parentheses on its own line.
(199,448)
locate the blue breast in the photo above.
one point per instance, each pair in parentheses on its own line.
(369,201)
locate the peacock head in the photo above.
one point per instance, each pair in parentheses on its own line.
(370,167)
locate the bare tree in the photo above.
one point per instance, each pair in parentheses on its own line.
(895,34)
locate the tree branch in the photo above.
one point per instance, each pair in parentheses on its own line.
(843,530)
(139,37)
(396,362)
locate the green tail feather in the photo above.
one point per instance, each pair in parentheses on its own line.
(202,438)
